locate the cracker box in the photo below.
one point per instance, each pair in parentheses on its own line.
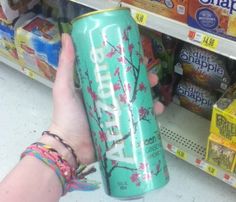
(7,45)
(217,17)
(174,9)
(223,121)
(14,8)
(221,152)
(204,68)
(38,45)
(195,98)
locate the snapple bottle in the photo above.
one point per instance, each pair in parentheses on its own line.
(118,102)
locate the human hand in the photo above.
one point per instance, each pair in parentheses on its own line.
(69,119)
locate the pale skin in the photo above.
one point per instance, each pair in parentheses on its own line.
(33,181)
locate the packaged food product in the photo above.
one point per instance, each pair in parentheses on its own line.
(223,122)
(204,68)
(195,98)
(221,152)
(38,45)
(174,9)
(217,17)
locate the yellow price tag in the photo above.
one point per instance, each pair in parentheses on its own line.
(140,18)
(209,42)
(181,154)
(31,74)
(211,170)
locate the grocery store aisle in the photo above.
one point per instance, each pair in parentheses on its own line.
(25,111)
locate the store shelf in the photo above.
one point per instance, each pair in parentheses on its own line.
(25,71)
(98,5)
(185,134)
(183,32)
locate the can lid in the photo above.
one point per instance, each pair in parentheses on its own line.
(98,12)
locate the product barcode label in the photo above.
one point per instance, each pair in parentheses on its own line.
(140,17)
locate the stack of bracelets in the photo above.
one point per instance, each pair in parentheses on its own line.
(70,178)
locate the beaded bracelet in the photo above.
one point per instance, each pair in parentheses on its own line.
(67,175)
(62,142)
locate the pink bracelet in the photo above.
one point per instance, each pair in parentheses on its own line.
(66,174)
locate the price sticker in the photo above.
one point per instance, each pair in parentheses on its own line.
(30,73)
(140,18)
(206,41)
(211,170)
(181,154)
(209,42)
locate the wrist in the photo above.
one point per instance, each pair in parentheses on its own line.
(60,148)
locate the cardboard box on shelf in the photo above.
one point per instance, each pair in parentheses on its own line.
(223,122)
(217,17)
(174,9)
(38,46)
(221,152)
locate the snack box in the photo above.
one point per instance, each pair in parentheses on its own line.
(38,46)
(14,8)
(7,34)
(223,122)
(204,68)
(174,9)
(217,17)
(221,152)
(195,98)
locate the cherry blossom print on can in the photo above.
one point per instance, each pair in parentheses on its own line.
(118,101)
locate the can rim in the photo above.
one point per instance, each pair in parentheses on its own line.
(98,12)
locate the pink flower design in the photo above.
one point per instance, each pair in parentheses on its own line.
(143,166)
(142,112)
(117,71)
(116,86)
(113,162)
(127,87)
(120,49)
(121,60)
(123,98)
(103,136)
(131,46)
(147,176)
(128,68)
(93,95)
(134,177)
(142,86)
(111,53)
(141,60)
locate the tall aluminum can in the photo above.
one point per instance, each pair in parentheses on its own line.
(118,101)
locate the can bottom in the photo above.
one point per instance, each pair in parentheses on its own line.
(142,195)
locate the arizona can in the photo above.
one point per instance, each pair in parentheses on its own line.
(118,101)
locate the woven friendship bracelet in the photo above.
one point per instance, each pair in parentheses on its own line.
(52,159)
(67,146)
(66,174)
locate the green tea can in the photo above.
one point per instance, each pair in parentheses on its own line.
(118,101)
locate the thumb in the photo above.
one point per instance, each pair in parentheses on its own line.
(65,71)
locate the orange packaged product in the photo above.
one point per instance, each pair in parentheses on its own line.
(216,17)
(174,9)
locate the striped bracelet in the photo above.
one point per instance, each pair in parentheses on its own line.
(67,175)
